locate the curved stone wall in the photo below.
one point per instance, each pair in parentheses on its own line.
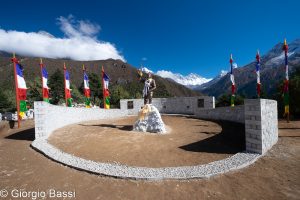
(233,114)
(49,117)
(259,116)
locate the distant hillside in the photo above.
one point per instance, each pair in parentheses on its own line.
(272,72)
(119,72)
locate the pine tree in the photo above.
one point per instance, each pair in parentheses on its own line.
(56,85)
(5,104)
(34,92)
(95,87)
(77,96)
(118,92)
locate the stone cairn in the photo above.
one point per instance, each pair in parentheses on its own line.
(149,120)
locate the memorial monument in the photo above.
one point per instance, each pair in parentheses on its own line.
(149,118)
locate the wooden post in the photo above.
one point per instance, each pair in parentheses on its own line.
(14,60)
(42,80)
(65,84)
(103,91)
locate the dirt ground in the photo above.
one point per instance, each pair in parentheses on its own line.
(274,176)
(188,142)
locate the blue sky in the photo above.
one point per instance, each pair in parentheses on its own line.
(179,36)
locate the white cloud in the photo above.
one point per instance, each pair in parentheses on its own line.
(80,42)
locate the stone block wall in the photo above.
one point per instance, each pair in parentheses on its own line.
(261,124)
(50,117)
(258,115)
(175,105)
(234,114)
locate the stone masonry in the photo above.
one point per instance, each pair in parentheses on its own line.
(261,125)
(258,115)
(175,105)
(233,114)
(50,117)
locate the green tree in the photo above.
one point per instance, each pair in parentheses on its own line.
(294,91)
(134,89)
(224,100)
(5,104)
(34,92)
(77,96)
(161,91)
(116,93)
(56,85)
(11,98)
(95,85)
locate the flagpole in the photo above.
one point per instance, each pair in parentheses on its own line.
(83,70)
(65,84)
(104,105)
(286,84)
(14,60)
(41,67)
(232,84)
(258,74)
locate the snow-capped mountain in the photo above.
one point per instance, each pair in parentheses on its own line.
(146,70)
(275,56)
(212,81)
(191,80)
(222,73)
(271,73)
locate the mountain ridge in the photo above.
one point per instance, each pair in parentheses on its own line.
(119,72)
(271,73)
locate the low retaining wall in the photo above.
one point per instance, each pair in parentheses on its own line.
(49,117)
(175,105)
(259,116)
(234,114)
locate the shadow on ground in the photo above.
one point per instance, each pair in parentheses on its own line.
(289,128)
(27,134)
(120,127)
(229,141)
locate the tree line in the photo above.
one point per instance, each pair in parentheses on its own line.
(132,90)
(294,92)
(126,90)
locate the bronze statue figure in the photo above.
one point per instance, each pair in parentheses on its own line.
(149,87)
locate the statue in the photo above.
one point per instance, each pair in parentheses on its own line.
(149,118)
(149,87)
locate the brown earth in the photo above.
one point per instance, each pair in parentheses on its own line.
(274,176)
(188,142)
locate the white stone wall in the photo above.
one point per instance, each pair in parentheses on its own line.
(234,114)
(261,124)
(50,117)
(258,115)
(175,105)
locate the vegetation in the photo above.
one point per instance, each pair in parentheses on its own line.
(294,92)
(5,104)
(123,82)
(56,85)
(34,92)
(224,100)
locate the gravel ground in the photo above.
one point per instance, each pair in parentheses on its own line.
(273,176)
(188,142)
